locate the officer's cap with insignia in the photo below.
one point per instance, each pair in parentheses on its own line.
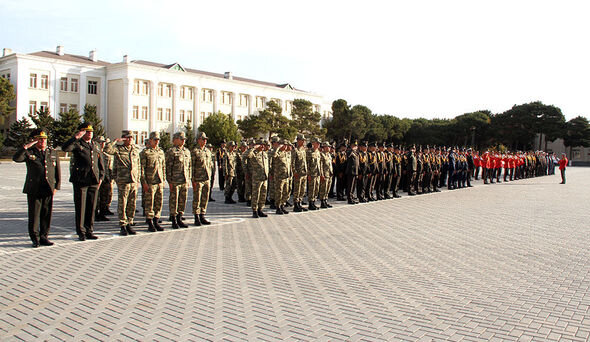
(325,144)
(126,134)
(373,144)
(202,135)
(179,135)
(354,143)
(155,135)
(38,134)
(85,126)
(259,141)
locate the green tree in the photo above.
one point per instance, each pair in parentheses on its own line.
(66,126)
(90,115)
(19,132)
(577,133)
(338,127)
(219,127)
(191,141)
(250,126)
(272,121)
(43,119)
(165,141)
(551,124)
(470,128)
(305,120)
(7,95)
(1,140)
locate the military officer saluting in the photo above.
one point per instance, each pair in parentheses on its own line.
(86,175)
(41,183)
(281,175)
(126,171)
(202,170)
(178,174)
(314,172)
(153,176)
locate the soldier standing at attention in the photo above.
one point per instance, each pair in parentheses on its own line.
(41,183)
(352,172)
(229,166)
(219,157)
(178,173)
(240,174)
(396,171)
(362,187)
(340,170)
(202,166)
(412,168)
(314,172)
(105,191)
(275,144)
(259,167)
(212,182)
(281,174)
(562,166)
(126,171)
(326,175)
(153,176)
(86,175)
(247,175)
(299,167)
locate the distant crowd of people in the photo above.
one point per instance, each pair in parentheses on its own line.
(279,173)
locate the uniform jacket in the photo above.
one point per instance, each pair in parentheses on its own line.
(87,166)
(326,165)
(127,166)
(230,164)
(153,166)
(178,165)
(43,170)
(352,163)
(299,161)
(281,165)
(259,166)
(314,163)
(363,163)
(202,164)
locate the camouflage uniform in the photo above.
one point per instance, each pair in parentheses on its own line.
(258,164)
(230,162)
(105,192)
(314,170)
(247,175)
(299,167)
(153,174)
(326,173)
(178,172)
(281,174)
(203,167)
(126,172)
(240,176)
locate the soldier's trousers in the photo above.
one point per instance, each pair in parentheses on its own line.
(341,184)
(201,193)
(248,187)
(126,202)
(361,187)
(271,189)
(332,183)
(105,195)
(325,187)
(230,186)
(153,200)
(222,181)
(258,194)
(372,182)
(299,188)
(350,186)
(177,201)
(282,191)
(40,208)
(395,184)
(313,187)
(241,186)
(562,175)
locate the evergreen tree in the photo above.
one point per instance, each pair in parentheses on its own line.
(1,140)
(7,95)
(577,133)
(305,120)
(43,119)
(91,116)
(66,126)
(191,141)
(165,141)
(219,127)
(19,132)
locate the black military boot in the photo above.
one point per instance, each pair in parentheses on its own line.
(297,207)
(279,211)
(288,204)
(302,207)
(272,204)
(283,210)
(174,223)
(123,231)
(179,221)
(156,222)
(324,205)
(197,220)
(241,199)
(203,219)
(229,200)
(130,230)
(151,227)
(261,213)
(254,214)
(107,212)
(312,205)
(101,217)
(248,203)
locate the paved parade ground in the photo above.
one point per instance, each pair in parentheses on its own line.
(509,261)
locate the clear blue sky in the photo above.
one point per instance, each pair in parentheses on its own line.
(405,58)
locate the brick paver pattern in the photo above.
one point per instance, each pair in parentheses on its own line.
(494,262)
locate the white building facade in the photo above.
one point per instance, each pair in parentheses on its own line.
(139,96)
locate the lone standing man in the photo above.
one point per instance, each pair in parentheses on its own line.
(202,161)
(562,165)
(41,183)
(153,176)
(178,173)
(86,175)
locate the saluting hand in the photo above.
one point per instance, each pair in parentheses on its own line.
(29,145)
(80,134)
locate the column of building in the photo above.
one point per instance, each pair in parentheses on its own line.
(152,109)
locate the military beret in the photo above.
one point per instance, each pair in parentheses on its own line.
(155,135)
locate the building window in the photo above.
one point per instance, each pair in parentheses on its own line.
(32,107)
(44,81)
(181,115)
(43,106)
(144,113)
(144,137)
(202,117)
(92,87)
(160,89)
(74,107)
(182,92)
(168,90)
(207,95)
(63,107)
(160,114)
(63,84)
(144,88)
(33,81)
(226,97)
(135,136)
(189,115)
(243,100)
(260,102)
(74,85)
(135,112)
(6,76)
(168,114)
(136,87)
(189,93)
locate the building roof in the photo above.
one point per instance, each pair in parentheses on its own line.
(68,57)
(214,74)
